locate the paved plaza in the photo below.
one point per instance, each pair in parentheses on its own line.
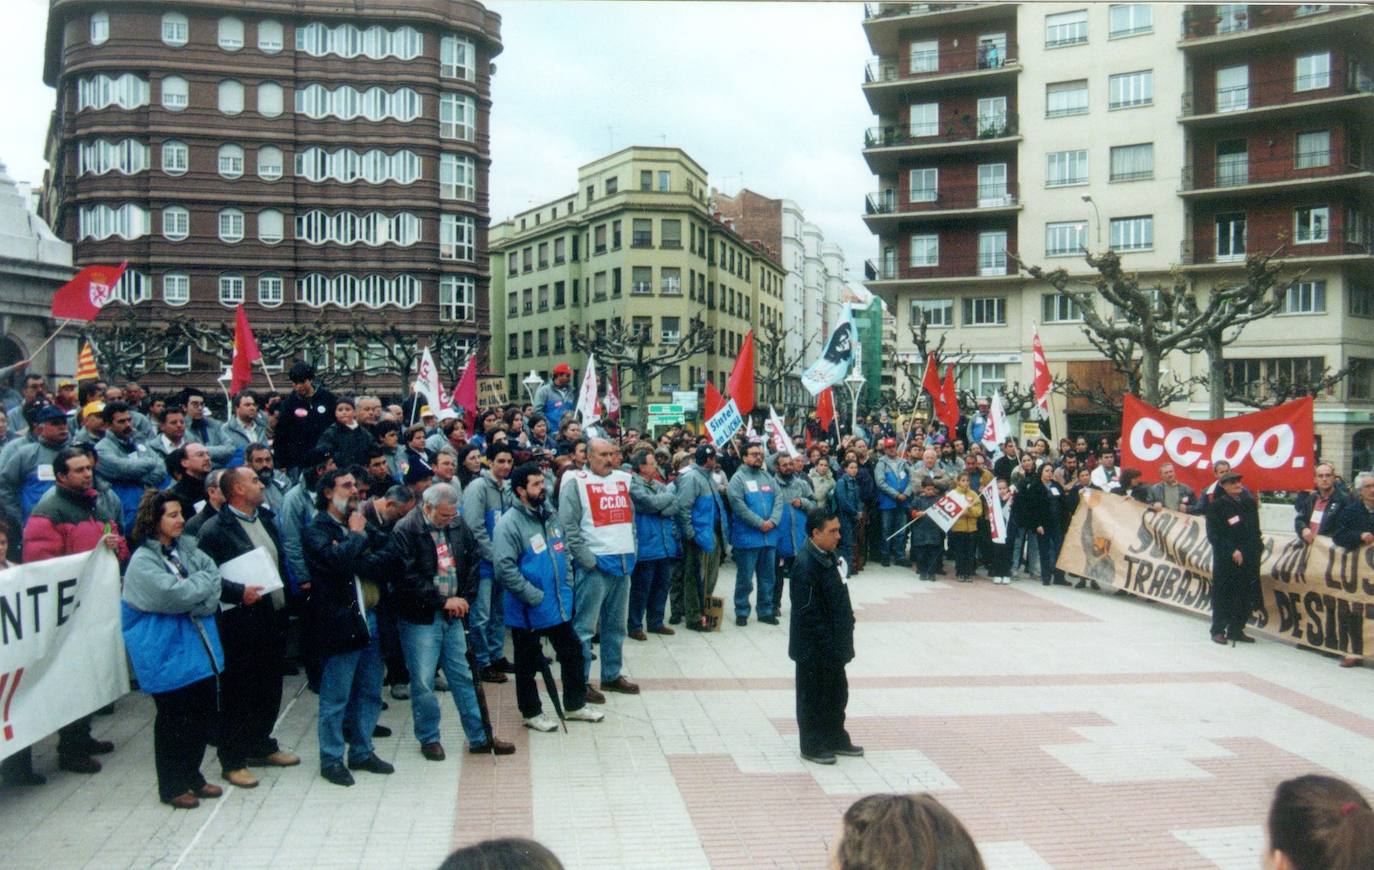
(1068,729)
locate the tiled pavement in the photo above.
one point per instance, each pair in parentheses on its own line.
(1068,729)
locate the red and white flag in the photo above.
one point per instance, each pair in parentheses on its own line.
(429,385)
(245,353)
(781,441)
(1042,376)
(996,429)
(82,297)
(997,512)
(611,401)
(586,396)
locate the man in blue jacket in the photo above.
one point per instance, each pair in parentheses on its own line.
(555,399)
(656,531)
(893,478)
(795,492)
(703,526)
(753,496)
(484,501)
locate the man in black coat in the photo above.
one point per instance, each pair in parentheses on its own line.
(821,642)
(250,687)
(303,417)
(1316,511)
(1355,524)
(1233,530)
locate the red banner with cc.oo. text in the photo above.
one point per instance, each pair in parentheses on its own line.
(1273,448)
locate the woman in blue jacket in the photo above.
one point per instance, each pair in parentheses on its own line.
(171,593)
(848,505)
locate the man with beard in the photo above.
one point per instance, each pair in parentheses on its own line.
(275,485)
(126,463)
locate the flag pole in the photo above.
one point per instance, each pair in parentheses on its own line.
(271,386)
(61,326)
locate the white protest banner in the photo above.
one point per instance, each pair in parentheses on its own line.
(996,429)
(586,395)
(429,385)
(723,426)
(61,650)
(996,512)
(782,442)
(949,508)
(836,356)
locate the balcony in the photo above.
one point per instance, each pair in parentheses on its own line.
(1205,30)
(1305,169)
(1190,254)
(887,146)
(953,269)
(886,24)
(889,82)
(1279,97)
(891,207)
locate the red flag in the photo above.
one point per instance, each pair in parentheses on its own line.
(949,406)
(245,353)
(714,400)
(82,297)
(740,387)
(1042,376)
(465,392)
(825,409)
(931,384)
(612,400)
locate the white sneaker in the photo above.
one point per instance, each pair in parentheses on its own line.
(541,723)
(585,714)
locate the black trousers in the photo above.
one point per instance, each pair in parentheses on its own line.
(71,743)
(999,559)
(926,558)
(1232,590)
(181,730)
(250,687)
(389,637)
(780,574)
(822,695)
(964,546)
(527,658)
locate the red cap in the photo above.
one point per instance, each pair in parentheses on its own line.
(889,442)
(563,369)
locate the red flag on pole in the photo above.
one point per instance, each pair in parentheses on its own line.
(82,297)
(611,402)
(245,353)
(931,384)
(465,392)
(740,387)
(1042,376)
(825,409)
(949,406)
(714,400)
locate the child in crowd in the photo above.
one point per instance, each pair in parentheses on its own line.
(1000,563)
(927,539)
(1319,823)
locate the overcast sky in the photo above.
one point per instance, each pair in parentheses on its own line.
(764,95)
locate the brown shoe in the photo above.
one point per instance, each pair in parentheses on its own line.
(433,751)
(497,746)
(209,790)
(241,778)
(595,697)
(491,674)
(1350,662)
(275,759)
(621,685)
(185,801)
(662,629)
(637,634)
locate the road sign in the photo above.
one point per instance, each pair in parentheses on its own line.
(656,420)
(686,398)
(664,410)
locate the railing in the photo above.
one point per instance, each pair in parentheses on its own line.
(1201,21)
(897,202)
(1278,92)
(966,129)
(984,57)
(642,288)
(1302,166)
(892,10)
(962,266)
(1190,254)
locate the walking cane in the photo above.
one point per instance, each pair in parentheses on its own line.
(552,689)
(481,694)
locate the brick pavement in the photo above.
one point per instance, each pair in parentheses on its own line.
(1068,729)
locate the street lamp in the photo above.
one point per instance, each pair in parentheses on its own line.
(855,382)
(532,384)
(1098,235)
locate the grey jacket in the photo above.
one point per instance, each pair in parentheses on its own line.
(481,496)
(234,434)
(1186,497)
(221,451)
(297,512)
(150,586)
(919,472)
(130,463)
(570,518)
(898,466)
(739,508)
(693,483)
(796,486)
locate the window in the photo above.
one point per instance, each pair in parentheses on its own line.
(543,255)
(646,179)
(1065,239)
(992,252)
(347,103)
(456,237)
(1059,308)
(1063,168)
(100,27)
(101,91)
(925,119)
(599,238)
(985,311)
(176,94)
(1230,232)
(1311,225)
(1066,28)
(560,294)
(1361,378)
(560,250)
(1314,149)
(1233,88)
(641,280)
(1232,17)
(270,291)
(670,234)
(615,234)
(1313,72)
(457,298)
(992,117)
(982,379)
(176,288)
(318,227)
(270,40)
(456,176)
(1126,90)
(612,186)
(1255,377)
(271,226)
(270,100)
(925,250)
(455,117)
(375,43)
(230,289)
(1305,297)
(670,281)
(1129,19)
(230,34)
(98,156)
(347,166)
(925,56)
(176,223)
(924,184)
(992,185)
(230,161)
(932,312)
(663,180)
(175,29)
(1132,233)
(175,157)
(1361,301)
(1132,162)
(642,233)
(1233,163)
(1356,227)
(178,359)
(230,97)
(560,343)
(455,58)
(269,163)
(513,345)
(642,327)
(1066,98)
(231,225)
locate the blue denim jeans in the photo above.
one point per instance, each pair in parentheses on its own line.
(426,647)
(487,623)
(894,519)
(350,701)
(1049,554)
(748,562)
(1025,550)
(600,605)
(649,593)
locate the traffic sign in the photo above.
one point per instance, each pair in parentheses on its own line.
(686,398)
(664,410)
(656,420)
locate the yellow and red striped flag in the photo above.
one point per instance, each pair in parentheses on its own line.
(85,364)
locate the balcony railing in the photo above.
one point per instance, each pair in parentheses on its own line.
(1202,21)
(1302,166)
(641,288)
(899,202)
(1191,253)
(960,266)
(966,129)
(943,63)
(892,10)
(1279,91)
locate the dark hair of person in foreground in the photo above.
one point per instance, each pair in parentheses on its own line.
(1319,823)
(507,853)
(903,832)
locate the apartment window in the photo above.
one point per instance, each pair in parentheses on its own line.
(932,312)
(176,223)
(1132,233)
(1066,98)
(230,161)
(543,342)
(641,280)
(1313,72)
(1356,227)
(925,250)
(1063,168)
(1129,19)
(1065,238)
(513,346)
(670,281)
(543,250)
(100,27)
(230,34)
(1313,149)
(513,304)
(1059,308)
(271,226)
(455,117)
(599,286)
(925,119)
(1253,377)
(456,237)
(1066,28)
(230,97)
(1127,90)
(269,163)
(1233,163)
(642,233)
(178,360)
(615,235)
(1232,17)
(176,288)
(1233,88)
(1230,233)
(1305,297)
(560,247)
(270,100)
(925,56)
(559,342)
(670,379)
(271,291)
(982,379)
(1132,162)
(643,327)
(559,294)
(456,58)
(231,225)
(1361,379)
(646,180)
(670,234)
(1311,225)
(924,184)
(992,252)
(175,29)
(985,311)
(176,94)
(612,186)
(457,298)
(270,39)
(176,157)
(599,238)
(527,301)
(1362,301)
(663,180)
(456,177)
(230,289)
(615,282)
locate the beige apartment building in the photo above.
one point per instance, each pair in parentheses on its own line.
(635,244)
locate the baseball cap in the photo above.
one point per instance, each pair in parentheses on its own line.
(562,369)
(1230,476)
(92,408)
(49,414)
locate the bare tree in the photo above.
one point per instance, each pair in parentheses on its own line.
(1274,390)
(635,353)
(127,346)
(775,363)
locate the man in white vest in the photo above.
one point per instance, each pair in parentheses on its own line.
(597,516)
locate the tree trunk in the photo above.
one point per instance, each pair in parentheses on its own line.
(642,388)
(1149,376)
(1216,376)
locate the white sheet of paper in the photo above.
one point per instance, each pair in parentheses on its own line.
(254,568)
